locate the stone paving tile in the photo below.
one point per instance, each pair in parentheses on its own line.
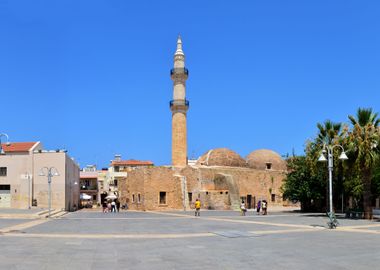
(280,248)
(20,211)
(11,222)
(161,225)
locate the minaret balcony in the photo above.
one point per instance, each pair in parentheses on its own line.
(179,72)
(179,105)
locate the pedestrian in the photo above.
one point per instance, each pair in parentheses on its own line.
(104,204)
(113,206)
(264,206)
(197,206)
(258,207)
(242,208)
(118,205)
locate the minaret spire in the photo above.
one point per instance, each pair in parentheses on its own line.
(179,106)
(179,46)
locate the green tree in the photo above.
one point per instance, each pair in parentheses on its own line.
(363,141)
(302,185)
(329,133)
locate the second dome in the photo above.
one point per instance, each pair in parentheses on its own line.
(222,157)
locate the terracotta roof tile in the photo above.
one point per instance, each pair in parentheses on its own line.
(88,175)
(18,146)
(131,162)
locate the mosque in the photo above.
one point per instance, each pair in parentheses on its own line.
(220,178)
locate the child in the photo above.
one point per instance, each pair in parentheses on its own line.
(258,207)
(264,205)
(242,208)
(197,207)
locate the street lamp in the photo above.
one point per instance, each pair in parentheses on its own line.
(28,177)
(8,143)
(49,172)
(329,149)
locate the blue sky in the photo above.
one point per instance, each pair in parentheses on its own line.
(93,76)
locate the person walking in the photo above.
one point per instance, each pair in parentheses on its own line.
(258,207)
(118,205)
(104,204)
(243,210)
(113,206)
(197,206)
(265,206)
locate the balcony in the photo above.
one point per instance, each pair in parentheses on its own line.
(179,102)
(88,188)
(179,105)
(177,71)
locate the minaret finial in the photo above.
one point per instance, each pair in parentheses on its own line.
(179,45)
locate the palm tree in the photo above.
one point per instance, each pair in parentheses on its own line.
(363,144)
(328,132)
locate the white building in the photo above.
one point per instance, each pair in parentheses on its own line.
(22,184)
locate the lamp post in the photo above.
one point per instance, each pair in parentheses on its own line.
(8,143)
(329,149)
(29,178)
(49,172)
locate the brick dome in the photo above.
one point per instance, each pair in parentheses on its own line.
(265,159)
(222,157)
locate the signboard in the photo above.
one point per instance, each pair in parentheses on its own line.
(26,176)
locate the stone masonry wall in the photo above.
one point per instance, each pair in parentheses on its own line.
(207,183)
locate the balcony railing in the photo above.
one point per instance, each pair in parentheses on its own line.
(179,102)
(179,71)
(89,188)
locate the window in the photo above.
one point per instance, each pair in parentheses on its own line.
(269,165)
(221,192)
(117,168)
(138,198)
(206,192)
(94,197)
(273,197)
(115,182)
(133,198)
(3,171)
(162,197)
(190,196)
(5,187)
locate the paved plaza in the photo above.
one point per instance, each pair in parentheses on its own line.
(177,240)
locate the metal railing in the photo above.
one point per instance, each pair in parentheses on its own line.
(179,71)
(179,102)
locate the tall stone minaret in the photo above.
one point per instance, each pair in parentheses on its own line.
(179,106)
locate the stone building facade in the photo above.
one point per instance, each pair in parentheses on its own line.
(220,178)
(24,181)
(221,183)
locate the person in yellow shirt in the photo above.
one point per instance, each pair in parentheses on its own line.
(197,206)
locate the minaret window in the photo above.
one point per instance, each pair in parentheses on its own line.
(268,165)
